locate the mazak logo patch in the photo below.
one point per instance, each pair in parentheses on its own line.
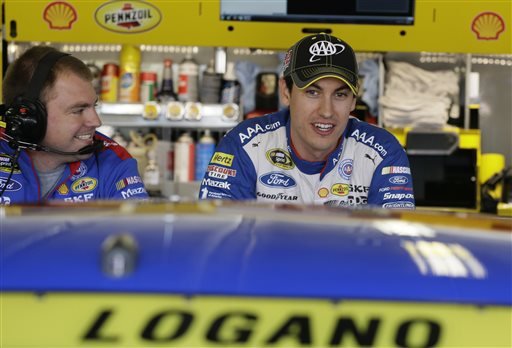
(84,185)
(11,185)
(128,17)
(275,179)
(280,158)
(60,15)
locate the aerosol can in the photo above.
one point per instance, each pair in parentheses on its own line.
(184,158)
(204,152)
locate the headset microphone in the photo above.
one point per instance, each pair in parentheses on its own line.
(95,146)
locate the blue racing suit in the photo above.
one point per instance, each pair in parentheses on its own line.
(110,173)
(256,161)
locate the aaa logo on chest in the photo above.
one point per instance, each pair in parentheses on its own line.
(280,158)
(84,185)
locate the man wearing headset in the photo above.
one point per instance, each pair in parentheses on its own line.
(49,147)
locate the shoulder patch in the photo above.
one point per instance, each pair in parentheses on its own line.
(109,144)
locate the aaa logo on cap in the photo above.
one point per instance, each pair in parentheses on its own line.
(128,17)
(84,185)
(280,158)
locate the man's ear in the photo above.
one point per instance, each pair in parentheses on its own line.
(284,93)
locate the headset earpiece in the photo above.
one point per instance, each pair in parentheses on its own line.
(26,119)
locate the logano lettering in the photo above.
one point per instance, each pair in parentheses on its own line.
(241,328)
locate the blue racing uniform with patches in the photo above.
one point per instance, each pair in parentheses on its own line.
(255,160)
(110,173)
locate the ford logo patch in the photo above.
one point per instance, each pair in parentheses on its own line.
(398,180)
(276,179)
(11,185)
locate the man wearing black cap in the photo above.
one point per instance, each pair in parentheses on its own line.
(313,151)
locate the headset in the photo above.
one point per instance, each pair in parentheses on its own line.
(26,119)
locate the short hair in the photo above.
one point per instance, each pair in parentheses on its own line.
(20,72)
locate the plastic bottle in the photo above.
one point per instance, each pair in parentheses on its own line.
(230,86)
(204,151)
(152,175)
(184,158)
(129,86)
(167,93)
(188,80)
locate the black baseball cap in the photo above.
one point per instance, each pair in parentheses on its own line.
(321,55)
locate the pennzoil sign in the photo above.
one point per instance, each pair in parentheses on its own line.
(128,17)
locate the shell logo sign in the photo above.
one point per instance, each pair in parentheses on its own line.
(128,17)
(60,15)
(488,26)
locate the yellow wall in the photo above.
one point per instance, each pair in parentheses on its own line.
(440,26)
